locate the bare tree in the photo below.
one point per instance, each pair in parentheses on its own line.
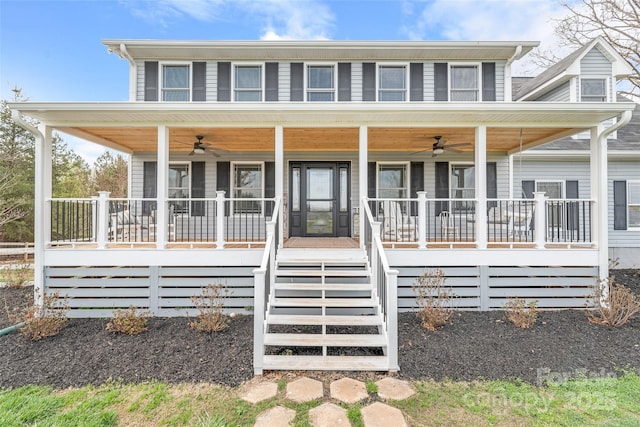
(11,209)
(617,21)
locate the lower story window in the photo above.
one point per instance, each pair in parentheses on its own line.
(633,204)
(463,186)
(392,181)
(247,185)
(179,186)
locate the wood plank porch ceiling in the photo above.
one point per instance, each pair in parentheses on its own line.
(341,139)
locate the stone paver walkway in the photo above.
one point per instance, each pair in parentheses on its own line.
(344,391)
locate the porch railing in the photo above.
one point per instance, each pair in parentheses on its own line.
(385,283)
(119,221)
(510,220)
(569,220)
(263,278)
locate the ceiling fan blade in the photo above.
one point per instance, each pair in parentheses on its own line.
(418,152)
(453,150)
(191,153)
(461,144)
(213,152)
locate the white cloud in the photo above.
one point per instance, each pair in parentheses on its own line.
(279,19)
(85,149)
(488,20)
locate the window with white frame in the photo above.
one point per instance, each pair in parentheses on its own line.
(179,186)
(321,83)
(554,190)
(593,90)
(392,83)
(464,83)
(176,82)
(462,186)
(633,204)
(248,83)
(247,184)
(393,180)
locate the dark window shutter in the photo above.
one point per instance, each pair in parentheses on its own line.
(442,186)
(223,183)
(528,187)
(271,81)
(619,205)
(197,187)
(371,179)
(149,186)
(199,90)
(150,80)
(416,81)
(344,81)
(573,208)
(417,183)
(488,81)
(441,82)
(224,81)
(369,81)
(297,81)
(492,183)
(269,179)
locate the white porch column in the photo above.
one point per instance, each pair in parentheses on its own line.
(481,185)
(540,222)
(363,189)
(279,159)
(102,228)
(47,180)
(162,171)
(422,219)
(42,210)
(599,187)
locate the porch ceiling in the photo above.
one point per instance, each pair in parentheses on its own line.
(407,127)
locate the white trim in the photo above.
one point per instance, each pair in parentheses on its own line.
(407,82)
(234,65)
(461,163)
(177,163)
(407,166)
(305,80)
(478,66)
(562,182)
(232,180)
(607,85)
(629,182)
(161,87)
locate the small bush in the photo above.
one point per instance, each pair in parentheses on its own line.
(17,275)
(435,302)
(617,308)
(41,321)
(209,304)
(520,313)
(130,321)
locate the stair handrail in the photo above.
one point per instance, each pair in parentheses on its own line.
(385,283)
(262,281)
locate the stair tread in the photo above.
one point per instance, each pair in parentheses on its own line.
(332,363)
(320,340)
(333,273)
(294,286)
(322,302)
(336,320)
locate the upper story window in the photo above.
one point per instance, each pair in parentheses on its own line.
(393,180)
(593,90)
(633,204)
(465,83)
(175,83)
(247,184)
(321,83)
(392,84)
(248,83)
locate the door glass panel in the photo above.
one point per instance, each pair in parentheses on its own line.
(295,190)
(319,201)
(344,202)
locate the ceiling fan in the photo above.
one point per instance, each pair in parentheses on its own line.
(200,147)
(438,147)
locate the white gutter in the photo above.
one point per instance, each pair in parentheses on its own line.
(39,224)
(507,73)
(133,74)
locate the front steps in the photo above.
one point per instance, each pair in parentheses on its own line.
(323,314)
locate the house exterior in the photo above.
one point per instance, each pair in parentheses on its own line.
(240,149)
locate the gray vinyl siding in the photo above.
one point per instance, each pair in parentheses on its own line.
(559,94)
(622,171)
(284,80)
(594,63)
(356,81)
(212,81)
(140,80)
(428,83)
(500,80)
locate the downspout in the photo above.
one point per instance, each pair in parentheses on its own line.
(133,72)
(39,237)
(603,227)
(507,73)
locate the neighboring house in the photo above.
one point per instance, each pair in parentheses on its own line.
(240,149)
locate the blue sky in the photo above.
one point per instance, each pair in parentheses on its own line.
(53,51)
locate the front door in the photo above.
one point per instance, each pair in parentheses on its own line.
(319,199)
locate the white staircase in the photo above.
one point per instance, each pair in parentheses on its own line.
(323,314)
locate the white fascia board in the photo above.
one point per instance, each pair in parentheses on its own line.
(561,78)
(568,154)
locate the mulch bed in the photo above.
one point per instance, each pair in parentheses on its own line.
(475,345)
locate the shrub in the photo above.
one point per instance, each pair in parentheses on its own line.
(130,321)
(617,308)
(17,275)
(520,313)
(435,302)
(41,321)
(209,304)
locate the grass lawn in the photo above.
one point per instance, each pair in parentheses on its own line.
(584,402)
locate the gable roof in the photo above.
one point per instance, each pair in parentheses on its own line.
(569,67)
